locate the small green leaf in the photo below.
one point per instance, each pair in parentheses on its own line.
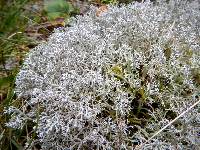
(143,95)
(58,8)
(54,15)
(6,80)
(167,52)
(117,70)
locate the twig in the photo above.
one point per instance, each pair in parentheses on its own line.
(14,34)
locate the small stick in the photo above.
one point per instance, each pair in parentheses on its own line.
(14,34)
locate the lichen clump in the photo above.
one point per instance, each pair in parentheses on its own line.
(111,81)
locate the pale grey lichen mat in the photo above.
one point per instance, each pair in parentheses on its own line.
(110,81)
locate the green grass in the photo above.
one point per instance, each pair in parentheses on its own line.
(13,46)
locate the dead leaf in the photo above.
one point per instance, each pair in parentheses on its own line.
(43,30)
(101,10)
